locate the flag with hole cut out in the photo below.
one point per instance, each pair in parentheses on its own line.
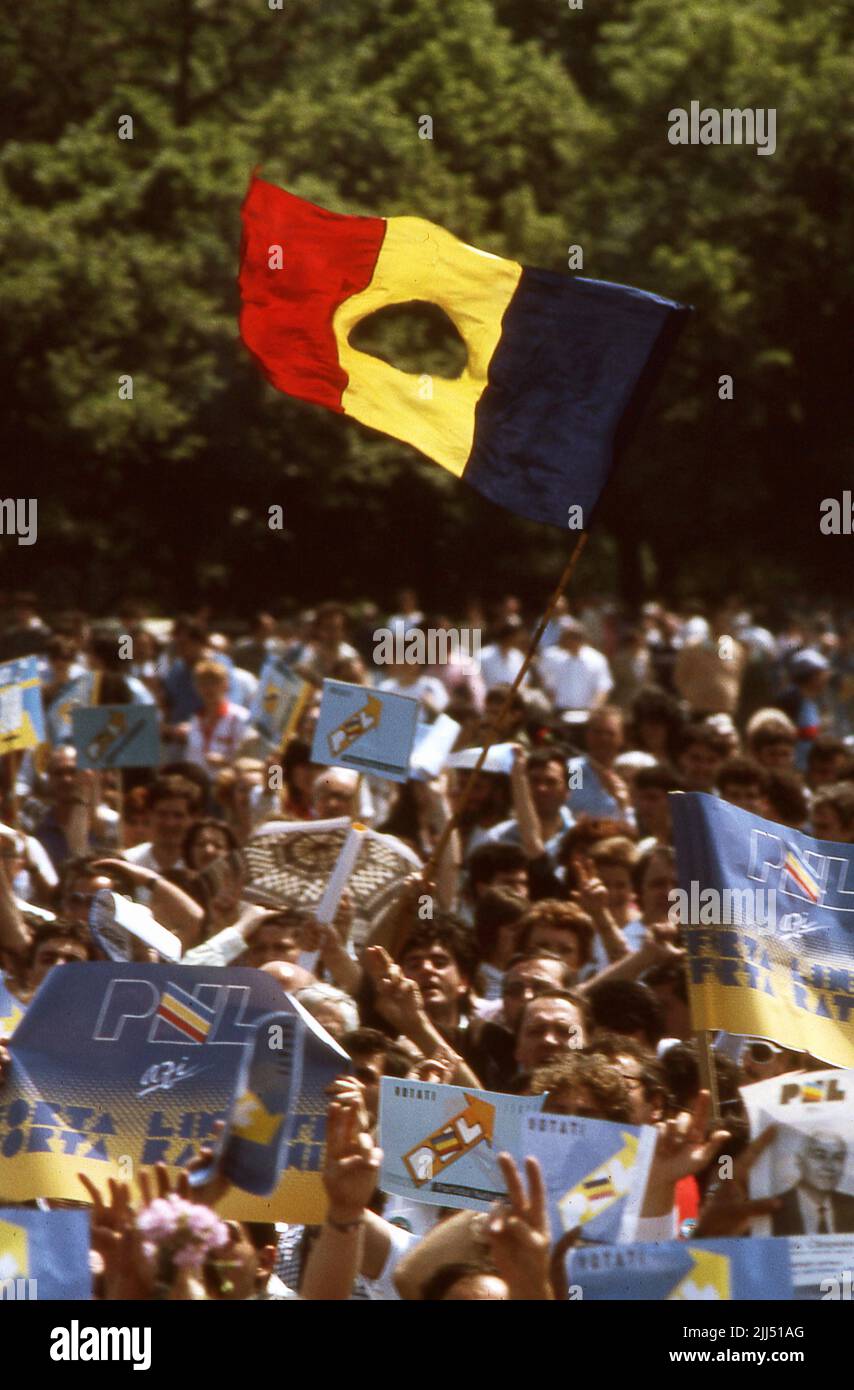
(557,365)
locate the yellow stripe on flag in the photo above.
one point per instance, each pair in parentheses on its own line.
(420,261)
(181,1011)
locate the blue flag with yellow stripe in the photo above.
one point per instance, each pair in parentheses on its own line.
(767,916)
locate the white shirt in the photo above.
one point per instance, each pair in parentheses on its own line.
(144,856)
(405,621)
(498,667)
(575,682)
(424,686)
(224,737)
(228,944)
(38,856)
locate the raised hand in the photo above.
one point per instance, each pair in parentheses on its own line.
(518,1232)
(134,872)
(352,1165)
(591,894)
(612,782)
(312,935)
(216,1187)
(683,1147)
(127,1273)
(350,1093)
(320,936)
(664,940)
(113,1213)
(729,1210)
(344,916)
(557,1263)
(439,1070)
(398,999)
(163,1183)
(520,760)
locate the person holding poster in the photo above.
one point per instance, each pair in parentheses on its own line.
(217,730)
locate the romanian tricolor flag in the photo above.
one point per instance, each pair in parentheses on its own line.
(798,870)
(812,1091)
(184,1013)
(596,1188)
(557,365)
(445,1143)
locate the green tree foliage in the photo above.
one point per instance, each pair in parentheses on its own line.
(549,129)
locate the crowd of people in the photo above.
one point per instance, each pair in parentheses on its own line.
(535,955)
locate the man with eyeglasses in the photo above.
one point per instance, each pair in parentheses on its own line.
(528,975)
(639,1070)
(75,821)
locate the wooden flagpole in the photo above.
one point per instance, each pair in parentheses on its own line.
(708,1075)
(428,873)
(504,712)
(431,866)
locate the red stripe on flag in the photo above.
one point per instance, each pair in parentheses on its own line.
(286,314)
(797,875)
(183,1027)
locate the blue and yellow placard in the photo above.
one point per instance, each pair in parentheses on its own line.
(81,690)
(117,1066)
(21,715)
(285,1070)
(11,1010)
(116,735)
(595,1172)
(441,1143)
(279,701)
(365,729)
(767,916)
(676,1270)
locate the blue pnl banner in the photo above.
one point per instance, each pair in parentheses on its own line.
(767,916)
(114,1061)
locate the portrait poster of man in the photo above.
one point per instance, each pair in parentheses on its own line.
(809,1166)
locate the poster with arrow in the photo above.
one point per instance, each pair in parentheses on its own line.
(279,701)
(21,715)
(365,729)
(595,1172)
(116,735)
(441,1143)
